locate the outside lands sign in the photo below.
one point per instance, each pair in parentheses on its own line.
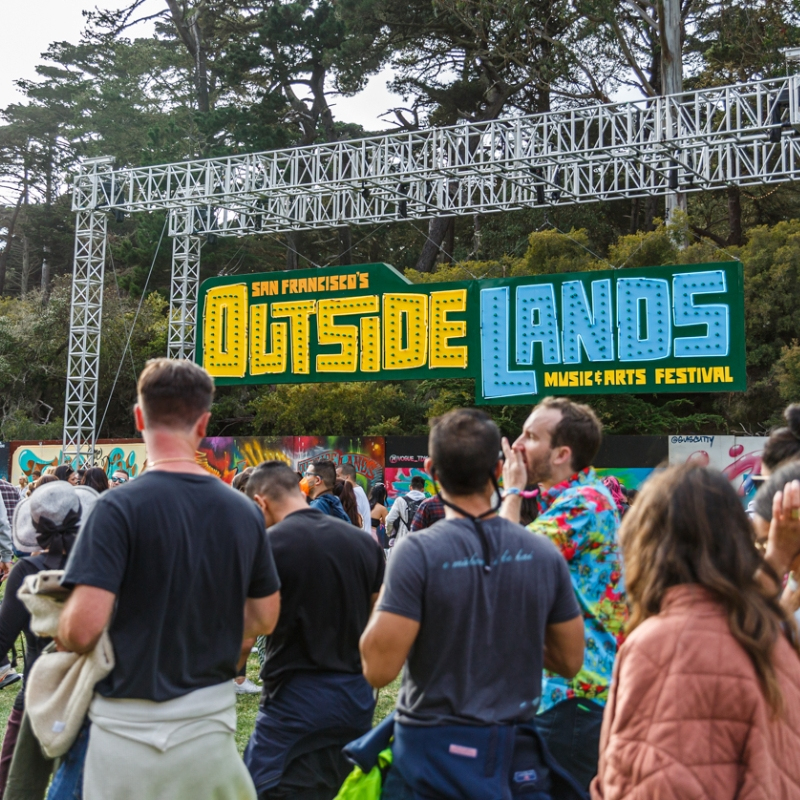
(660,329)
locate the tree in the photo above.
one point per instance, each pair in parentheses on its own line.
(475,59)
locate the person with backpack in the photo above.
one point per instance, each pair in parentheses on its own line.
(401,515)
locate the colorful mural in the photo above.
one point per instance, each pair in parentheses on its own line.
(398,481)
(629,477)
(225,456)
(396,459)
(737,457)
(366,454)
(30,457)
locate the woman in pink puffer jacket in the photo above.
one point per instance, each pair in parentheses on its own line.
(705,700)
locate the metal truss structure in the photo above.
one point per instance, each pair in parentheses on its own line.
(86,311)
(708,139)
(183,286)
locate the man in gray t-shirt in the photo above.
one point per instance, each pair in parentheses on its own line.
(474,606)
(477,658)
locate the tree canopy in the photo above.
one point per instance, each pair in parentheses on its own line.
(213,77)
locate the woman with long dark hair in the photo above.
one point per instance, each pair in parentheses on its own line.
(96,479)
(64,472)
(344,491)
(378,511)
(705,700)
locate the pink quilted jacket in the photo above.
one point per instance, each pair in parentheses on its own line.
(686,719)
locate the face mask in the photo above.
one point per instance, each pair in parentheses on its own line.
(305,488)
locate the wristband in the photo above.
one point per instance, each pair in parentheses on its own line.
(513,490)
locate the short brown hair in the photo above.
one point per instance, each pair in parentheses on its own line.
(174,393)
(579,429)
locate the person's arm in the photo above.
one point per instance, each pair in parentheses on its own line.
(515,476)
(563,647)
(86,614)
(14,616)
(396,621)
(420,521)
(261,615)
(364,510)
(385,645)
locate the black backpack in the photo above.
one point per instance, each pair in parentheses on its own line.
(411,507)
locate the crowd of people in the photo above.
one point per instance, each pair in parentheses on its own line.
(556,637)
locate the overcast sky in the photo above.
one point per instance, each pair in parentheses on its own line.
(31,25)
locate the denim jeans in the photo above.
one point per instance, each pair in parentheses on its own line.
(68,781)
(571,730)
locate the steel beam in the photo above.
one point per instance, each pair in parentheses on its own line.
(688,142)
(183,285)
(83,362)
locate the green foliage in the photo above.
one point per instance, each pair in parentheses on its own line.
(640,414)
(463,271)
(337,409)
(551,252)
(33,361)
(644,248)
(787,373)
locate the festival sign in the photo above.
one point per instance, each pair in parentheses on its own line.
(652,330)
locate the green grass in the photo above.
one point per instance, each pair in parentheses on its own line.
(387,697)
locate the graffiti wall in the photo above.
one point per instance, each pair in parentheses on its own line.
(395,460)
(737,457)
(226,456)
(405,458)
(27,458)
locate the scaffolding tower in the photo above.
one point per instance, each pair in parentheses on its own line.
(737,135)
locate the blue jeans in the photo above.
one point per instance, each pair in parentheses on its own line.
(571,730)
(68,781)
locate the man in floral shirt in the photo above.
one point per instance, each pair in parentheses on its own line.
(576,512)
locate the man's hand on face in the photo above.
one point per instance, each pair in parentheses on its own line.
(515,470)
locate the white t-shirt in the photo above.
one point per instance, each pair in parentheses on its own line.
(362,503)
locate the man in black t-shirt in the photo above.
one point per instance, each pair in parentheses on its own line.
(315,699)
(474,606)
(178,566)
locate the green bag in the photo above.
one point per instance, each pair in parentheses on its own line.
(366,786)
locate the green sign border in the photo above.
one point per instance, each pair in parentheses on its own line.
(385,279)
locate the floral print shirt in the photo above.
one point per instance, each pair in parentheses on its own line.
(581,519)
